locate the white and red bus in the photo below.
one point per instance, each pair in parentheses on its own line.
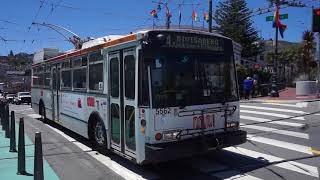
(150,96)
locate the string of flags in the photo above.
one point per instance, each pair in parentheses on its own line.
(195,17)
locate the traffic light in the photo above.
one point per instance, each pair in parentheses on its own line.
(316,20)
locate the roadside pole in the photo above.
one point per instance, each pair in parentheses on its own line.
(210,15)
(274,88)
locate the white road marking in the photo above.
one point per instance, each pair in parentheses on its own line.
(114,166)
(273,109)
(271,122)
(277,131)
(226,176)
(281,144)
(297,105)
(35,116)
(290,165)
(271,114)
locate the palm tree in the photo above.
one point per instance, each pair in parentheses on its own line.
(308,48)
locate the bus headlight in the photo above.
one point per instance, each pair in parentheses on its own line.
(170,135)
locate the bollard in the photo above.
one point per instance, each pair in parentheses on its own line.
(13,147)
(2,116)
(38,158)
(6,115)
(1,120)
(21,150)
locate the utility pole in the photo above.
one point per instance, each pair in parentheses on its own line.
(274,88)
(210,15)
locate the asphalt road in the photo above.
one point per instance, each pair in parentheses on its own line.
(283,143)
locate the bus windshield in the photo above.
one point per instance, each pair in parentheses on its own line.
(180,78)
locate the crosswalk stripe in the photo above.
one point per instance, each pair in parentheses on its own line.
(297,105)
(281,144)
(272,109)
(277,131)
(271,114)
(290,165)
(270,121)
(232,175)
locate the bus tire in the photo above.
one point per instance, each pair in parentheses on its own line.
(42,111)
(97,132)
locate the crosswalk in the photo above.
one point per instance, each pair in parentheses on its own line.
(277,127)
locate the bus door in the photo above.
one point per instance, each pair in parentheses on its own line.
(122,101)
(55,92)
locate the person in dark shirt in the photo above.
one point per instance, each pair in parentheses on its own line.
(247,87)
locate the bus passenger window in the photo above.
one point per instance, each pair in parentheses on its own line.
(96,77)
(80,78)
(129,70)
(66,79)
(114,76)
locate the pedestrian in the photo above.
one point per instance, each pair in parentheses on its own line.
(247,87)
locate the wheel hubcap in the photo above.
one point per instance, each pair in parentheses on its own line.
(99,137)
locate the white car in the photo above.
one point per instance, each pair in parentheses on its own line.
(22,97)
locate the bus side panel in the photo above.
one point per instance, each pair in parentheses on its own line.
(76,109)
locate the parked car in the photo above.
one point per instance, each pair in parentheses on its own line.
(22,97)
(10,98)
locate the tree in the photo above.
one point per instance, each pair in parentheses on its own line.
(308,49)
(233,18)
(11,53)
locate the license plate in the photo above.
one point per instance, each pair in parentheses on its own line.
(203,121)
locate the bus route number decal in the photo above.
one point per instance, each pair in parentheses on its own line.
(162,111)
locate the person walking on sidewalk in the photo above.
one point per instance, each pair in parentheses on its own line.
(247,87)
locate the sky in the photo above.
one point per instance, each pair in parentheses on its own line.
(97,18)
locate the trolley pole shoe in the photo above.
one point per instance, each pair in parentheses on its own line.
(7,133)
(13,147)
(38,158)
(21,150)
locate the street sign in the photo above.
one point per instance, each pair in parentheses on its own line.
(281,16)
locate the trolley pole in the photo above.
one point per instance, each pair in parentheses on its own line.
(210,15)
(274,88)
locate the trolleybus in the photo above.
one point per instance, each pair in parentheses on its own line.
(149,96)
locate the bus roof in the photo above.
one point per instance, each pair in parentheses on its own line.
(112,40)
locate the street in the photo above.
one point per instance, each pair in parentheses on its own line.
(282,144)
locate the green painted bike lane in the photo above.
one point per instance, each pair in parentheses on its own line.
(9,160)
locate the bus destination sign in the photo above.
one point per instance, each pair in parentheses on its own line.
(194,42)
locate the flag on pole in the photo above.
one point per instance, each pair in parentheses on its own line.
(277,23)
(195,16)
(205,16)
(154,13)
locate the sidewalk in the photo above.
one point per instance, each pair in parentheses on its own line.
(9,161)
(287,95)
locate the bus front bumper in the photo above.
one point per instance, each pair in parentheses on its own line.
(199,145)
